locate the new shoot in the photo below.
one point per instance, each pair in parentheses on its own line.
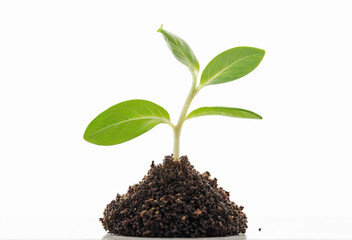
(127,120)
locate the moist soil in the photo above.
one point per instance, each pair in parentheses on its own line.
(174,200)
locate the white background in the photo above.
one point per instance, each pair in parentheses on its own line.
(64,62)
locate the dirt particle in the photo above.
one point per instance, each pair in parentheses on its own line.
(197,212)
(142,213)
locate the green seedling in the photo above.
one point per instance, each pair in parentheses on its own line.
(127,120)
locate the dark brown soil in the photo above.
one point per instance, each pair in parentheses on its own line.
(174,200)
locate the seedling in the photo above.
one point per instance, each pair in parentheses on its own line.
(127,120)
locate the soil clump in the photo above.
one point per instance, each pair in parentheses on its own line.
(174,200)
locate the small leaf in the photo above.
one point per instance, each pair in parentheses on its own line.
(181,50)
(224,111)
(125,121)
(231,65)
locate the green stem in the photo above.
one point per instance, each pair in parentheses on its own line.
(177,129)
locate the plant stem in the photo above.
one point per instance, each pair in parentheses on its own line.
(177,129)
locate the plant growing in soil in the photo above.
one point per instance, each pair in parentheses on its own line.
(173,199)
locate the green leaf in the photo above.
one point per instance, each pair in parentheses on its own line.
(231,65)
(125,121)
(181,50)
(224,111)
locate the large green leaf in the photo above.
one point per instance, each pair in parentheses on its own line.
(231,65)
(181,50)
(224,111)
(125,121)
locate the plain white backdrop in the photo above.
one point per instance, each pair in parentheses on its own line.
(64,62)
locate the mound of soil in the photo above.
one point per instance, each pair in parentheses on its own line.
(174,200)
